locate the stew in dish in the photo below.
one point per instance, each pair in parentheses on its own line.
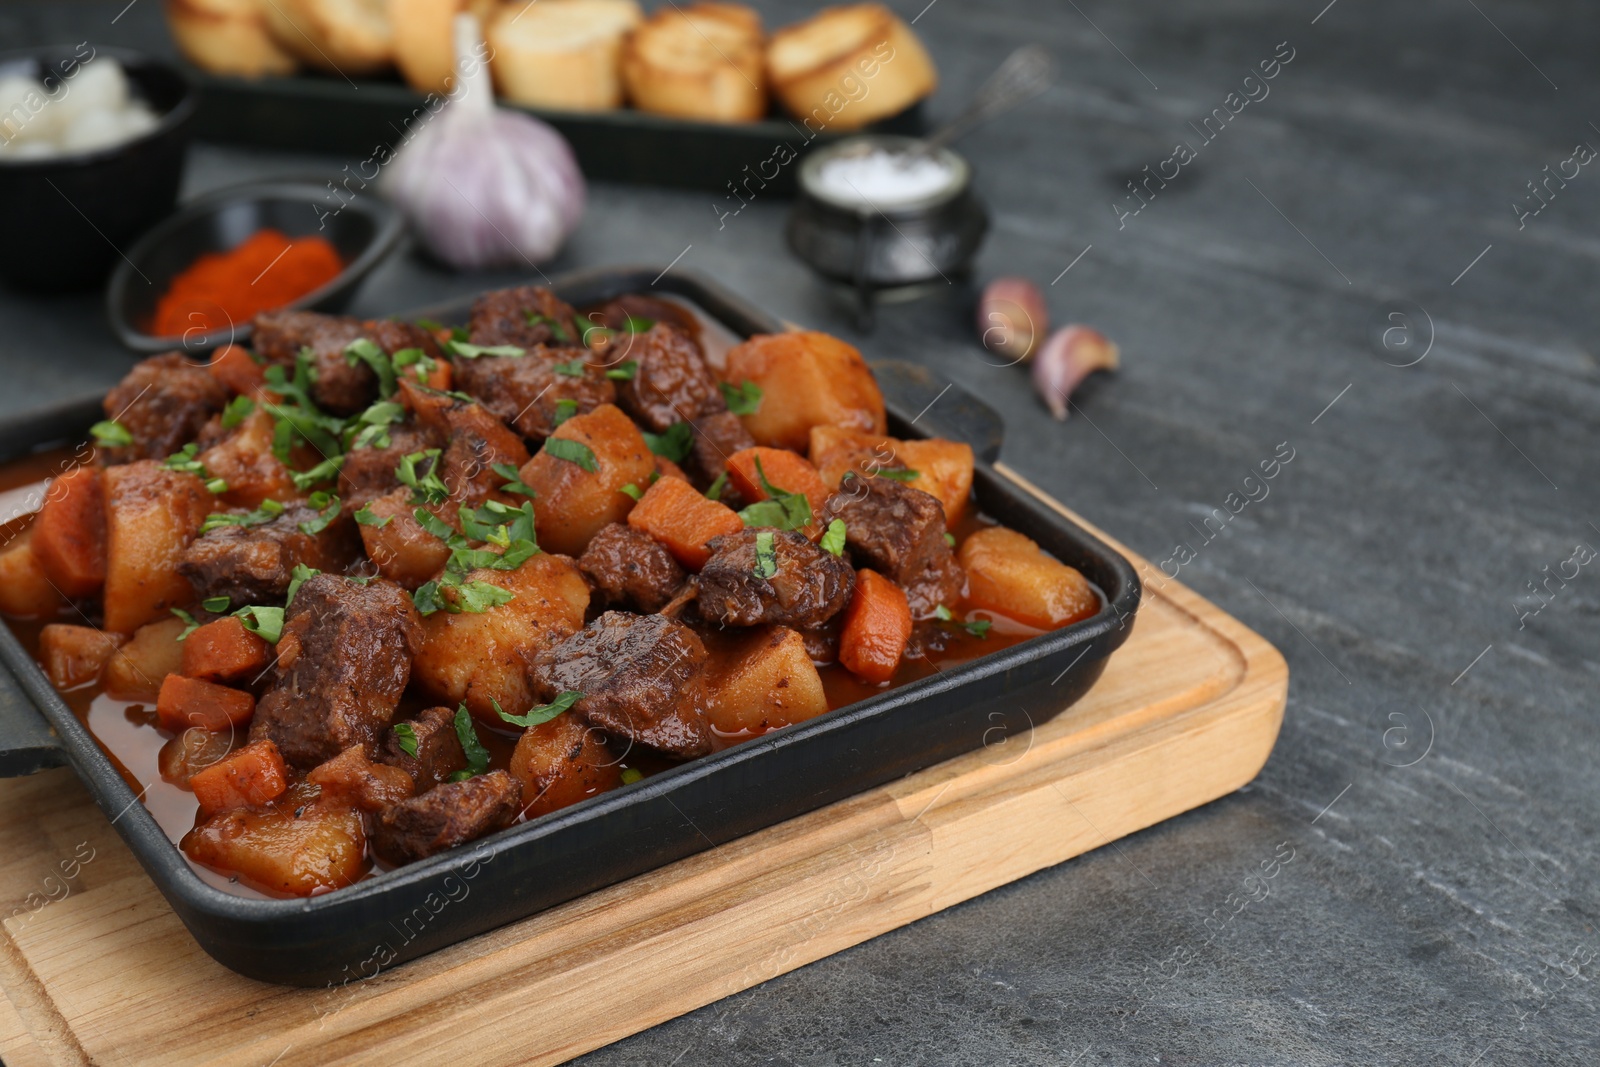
(374,589)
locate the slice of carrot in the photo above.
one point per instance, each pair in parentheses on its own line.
(185,702)
(69,533)
(877,626)
(785,470)
(252,776)
(224,651)
(234,367)
(674,513)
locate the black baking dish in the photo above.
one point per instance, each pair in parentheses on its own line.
(637,828)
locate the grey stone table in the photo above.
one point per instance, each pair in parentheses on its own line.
(1345,267)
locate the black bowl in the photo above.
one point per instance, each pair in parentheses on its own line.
(362,229)
(73,215)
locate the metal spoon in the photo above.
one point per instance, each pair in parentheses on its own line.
(1026,73)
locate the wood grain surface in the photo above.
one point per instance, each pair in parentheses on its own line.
(104,973)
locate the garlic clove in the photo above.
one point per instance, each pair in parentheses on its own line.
(1066,358)
(1012,318)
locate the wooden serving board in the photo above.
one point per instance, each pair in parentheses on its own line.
(1186,712)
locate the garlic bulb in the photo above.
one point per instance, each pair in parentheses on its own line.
(1066,358)
(483,186)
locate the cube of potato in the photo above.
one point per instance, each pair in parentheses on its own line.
(944,468)
(561,762)
(475,658)
(136,670)
(761,680)
(152,514)
(75,655)
(1010,574)
(296,847)
(574,502)
(246,462)
(402,550)
(807,379)
(25,591)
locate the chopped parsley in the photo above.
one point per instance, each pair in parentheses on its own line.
(632,490)
(572,368)
(365,517)
(675,443)
(766,556)
(328,468)
(513,477)
(463,350)
(558,331)
(407,357)
(432,326)
(899,474)
(190,625)
(573,452)
(405,735)
(238,409)
(565,409)
(370,429)
(975,627)
(362,350)
(426,488)
(833,540)
(743,399)
(296,414)
(185,461)
(950,539)
(216,604)
(265,623)
(477,755)
(638,324)
(631,775)
(541,713)
(327,506)
(783,509)
(111,434)
(511,529)
(269,510)
(715,491)
(625,371)
(298,577)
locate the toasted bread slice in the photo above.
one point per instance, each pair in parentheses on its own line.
(424,43)
(848,66)
(700,62)
(347,37)
(227,37)
(561,54)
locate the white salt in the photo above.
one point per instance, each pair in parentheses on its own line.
(878,178)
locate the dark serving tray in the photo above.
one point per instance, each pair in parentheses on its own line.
(634,829)
(325,113)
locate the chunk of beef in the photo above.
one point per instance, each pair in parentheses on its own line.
(526,316)
(369,471)
(672,382)
(351,778)
(527,392)
(808,588)
(343,661)
(340,387)
(716,437)
(477,441)
(641,676)
(439,753)
(822,642)
(253,564)
(392,336)
(899,532)
(615,315)
(164,402)
(631,569)
(449,815)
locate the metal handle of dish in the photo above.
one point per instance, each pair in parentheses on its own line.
(944,408)
(27,743)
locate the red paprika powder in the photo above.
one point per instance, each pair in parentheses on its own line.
(266,271)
